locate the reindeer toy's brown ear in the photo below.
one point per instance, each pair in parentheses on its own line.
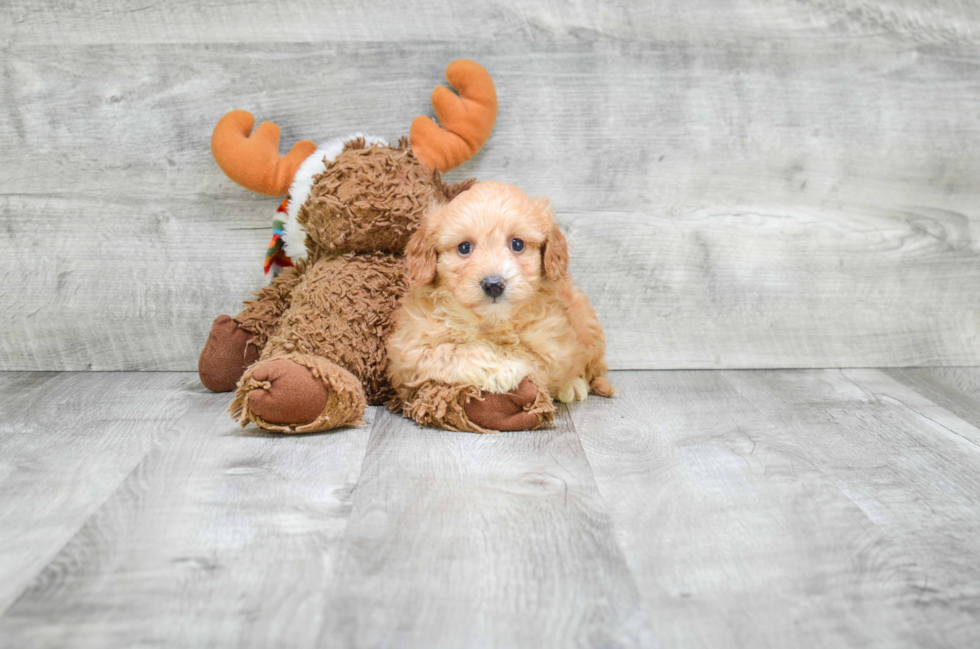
(466,118)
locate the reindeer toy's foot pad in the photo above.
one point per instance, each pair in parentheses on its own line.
(512,410)
(299,394)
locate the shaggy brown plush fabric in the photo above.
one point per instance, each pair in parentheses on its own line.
(261,315)
(370,198)
(341,311)
(332,312)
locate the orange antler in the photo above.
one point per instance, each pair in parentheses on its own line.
(253,161)
(466,119)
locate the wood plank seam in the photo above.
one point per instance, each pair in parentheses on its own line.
(955,427)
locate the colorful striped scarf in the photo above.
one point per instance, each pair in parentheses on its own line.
(275,256)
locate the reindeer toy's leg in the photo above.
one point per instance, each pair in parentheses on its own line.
(299,393)
(326,360)
(273,352)
(278,351)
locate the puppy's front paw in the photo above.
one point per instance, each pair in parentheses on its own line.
(505,411)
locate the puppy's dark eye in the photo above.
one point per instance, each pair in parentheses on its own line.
(464,248)
(517,245)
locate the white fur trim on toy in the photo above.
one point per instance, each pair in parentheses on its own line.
(294,236)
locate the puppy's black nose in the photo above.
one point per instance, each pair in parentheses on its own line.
(493,285)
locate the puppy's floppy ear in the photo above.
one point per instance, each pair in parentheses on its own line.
(555,249)
(555,252)
(421,255)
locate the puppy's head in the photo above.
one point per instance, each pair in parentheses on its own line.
(492,246)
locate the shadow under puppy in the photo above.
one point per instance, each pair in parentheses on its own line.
(492,327)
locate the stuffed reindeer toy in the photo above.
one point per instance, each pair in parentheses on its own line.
(308,353)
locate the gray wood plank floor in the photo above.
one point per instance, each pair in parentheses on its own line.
(791,508)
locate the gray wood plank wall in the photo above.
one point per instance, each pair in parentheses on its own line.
(760,183)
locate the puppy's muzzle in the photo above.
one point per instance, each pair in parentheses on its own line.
(493,286)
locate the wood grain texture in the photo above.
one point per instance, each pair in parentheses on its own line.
(130,21)
(219,537)
(458,539)
(802,202)
(810,288)
(66,443)
(915,478)
(736,536)
(94,305)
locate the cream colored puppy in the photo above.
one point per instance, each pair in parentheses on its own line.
(492,327)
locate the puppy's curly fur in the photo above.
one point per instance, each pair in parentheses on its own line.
(453,342)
